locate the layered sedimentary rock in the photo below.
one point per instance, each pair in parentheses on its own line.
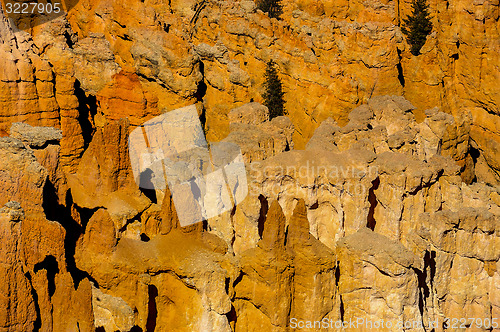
(372,220)
(137,60)
(332,57)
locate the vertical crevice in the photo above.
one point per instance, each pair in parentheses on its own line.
(51,206)
(202,86)
(337,275)
(342,309)
(231,217)
(337,280)
(38,321)
(372,199)
(152,309)
(87,110)
(430,261)
(264,207)
(426,279)
(475,154)
(232,317)
(286,236)
(399,67)
(200,95)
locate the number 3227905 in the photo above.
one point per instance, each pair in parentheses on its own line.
(32,8)
(463,323)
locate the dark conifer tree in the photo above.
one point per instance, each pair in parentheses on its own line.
(273,96)
(273,8)
(417,26)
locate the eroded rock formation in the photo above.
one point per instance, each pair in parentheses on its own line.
(360,205)
(372,220)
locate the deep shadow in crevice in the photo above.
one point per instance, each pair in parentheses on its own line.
(135,328)
(73,233)
(238,279)
(232,317)
(69,39)
(287,147)
(475,154)
(456,56)
(430,262)
(38,321)
(425,185)
(372,199)
(425,279)
(203,121)
(264,207)
(50,265)
(100,329)
(399,67)
(51,206)
(423,292)
(337,275)
(342,309)
(286,235)
(200,94)
(202,86)
(87,110)
(61,213)
(164,26)
(152,309)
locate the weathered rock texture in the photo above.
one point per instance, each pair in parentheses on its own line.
(390,210)
(372,221)
(104,63)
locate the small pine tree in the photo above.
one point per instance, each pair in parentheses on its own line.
(273,8)
(417,26)
(273,96)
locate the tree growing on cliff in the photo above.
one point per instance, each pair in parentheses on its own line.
(273,8)
(273,96)
(417,26)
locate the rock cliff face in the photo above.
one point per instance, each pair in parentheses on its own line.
(104,63)
(361,203)
(371,221)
